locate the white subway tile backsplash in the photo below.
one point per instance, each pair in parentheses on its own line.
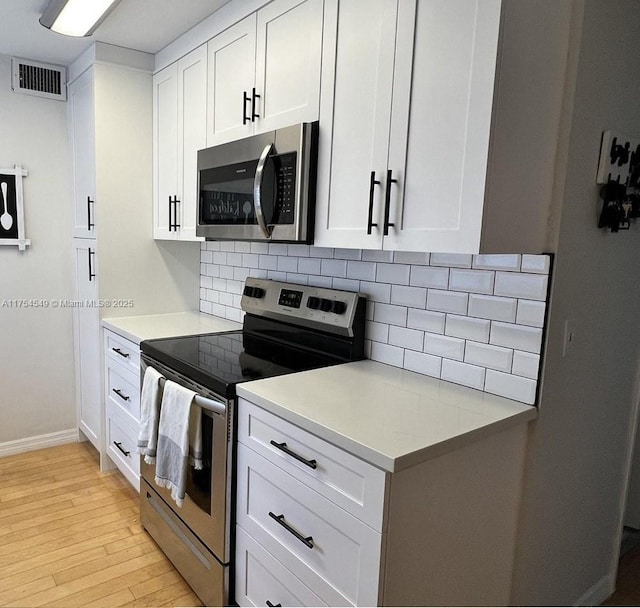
(451,260)
(378,292)
(422,363)
(510,386)
(393,273)
(471,281)
(463,373)
(485,355)
(444,346)
(309,265)
(334,268)
(387,313)
(385,353)
(447,301)
(406,338)
(364,271)
(426,320)
(469,300)
(415,297)
(491,307)
(427,276)
(536,263)
(467,328)
(517,337)
(409,257)
(520,285)
(531,313)
(525,364)
(497,262)
(377,256)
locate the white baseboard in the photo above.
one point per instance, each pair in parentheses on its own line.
(599,592)
(38,442)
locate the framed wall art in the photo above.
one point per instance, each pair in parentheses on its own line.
(12,208)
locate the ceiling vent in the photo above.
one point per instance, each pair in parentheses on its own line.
(39,79)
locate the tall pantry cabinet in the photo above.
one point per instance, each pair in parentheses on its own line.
(119,269)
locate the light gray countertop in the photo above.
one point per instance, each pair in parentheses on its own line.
(145,327)
(389,417)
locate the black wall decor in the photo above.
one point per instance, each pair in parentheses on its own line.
(12,230)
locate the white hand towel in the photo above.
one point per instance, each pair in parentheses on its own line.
(149,401)
(173,440)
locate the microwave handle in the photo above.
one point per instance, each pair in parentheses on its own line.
(257,190)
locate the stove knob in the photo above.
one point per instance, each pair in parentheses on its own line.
(253,292)
(326,305)
(313,303)
(338,307)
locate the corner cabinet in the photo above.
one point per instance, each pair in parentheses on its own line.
(405,114)
(264,72)
(179,131)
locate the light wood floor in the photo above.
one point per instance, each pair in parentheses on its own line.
(71,536)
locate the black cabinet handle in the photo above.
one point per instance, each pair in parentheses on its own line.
(92,275)
(90,224)
(372,184)
(305,540)
(273,605)
(254,96)
(173,206)
(119,446)
(170,204)
(117,350)
(120,394)
(387,202)
(283,447)
(245,99)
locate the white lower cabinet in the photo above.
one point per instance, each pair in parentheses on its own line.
(122,404)
(316,525)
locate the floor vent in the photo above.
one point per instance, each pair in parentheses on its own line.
(39,79)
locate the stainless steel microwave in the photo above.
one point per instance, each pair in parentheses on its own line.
(261,188)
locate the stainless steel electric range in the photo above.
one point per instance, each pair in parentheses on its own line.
(287,328)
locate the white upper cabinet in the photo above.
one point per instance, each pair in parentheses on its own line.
(179,130)
(264,72)
(407,95)
(82,112)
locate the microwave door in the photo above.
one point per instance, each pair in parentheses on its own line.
(264,190)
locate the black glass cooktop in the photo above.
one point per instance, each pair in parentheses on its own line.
(219,361)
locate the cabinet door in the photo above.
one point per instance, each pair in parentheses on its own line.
(87,337)
(439,143)
(231,67)
(288,59)
(82,118)
(165,150)
(192,135)
(355,109)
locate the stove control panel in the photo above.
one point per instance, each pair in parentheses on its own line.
(331,310)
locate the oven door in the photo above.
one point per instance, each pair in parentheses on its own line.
(206,510)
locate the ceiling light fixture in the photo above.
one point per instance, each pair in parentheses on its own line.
(76,17)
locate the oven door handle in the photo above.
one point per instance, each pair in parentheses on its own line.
(207,404)
(257,190)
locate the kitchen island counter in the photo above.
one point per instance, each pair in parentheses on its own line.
(387,416)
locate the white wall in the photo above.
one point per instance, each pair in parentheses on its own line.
(36,344)
(575,474)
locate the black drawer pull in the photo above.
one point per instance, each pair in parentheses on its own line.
(117,350)
(307,540)
(372,184)
(283,446)
(120,394)
(273,605)
(119,446)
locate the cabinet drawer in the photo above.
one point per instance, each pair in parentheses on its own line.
(122,440)
(329,550)
(260,578)
(122,350)
(344,479)
(123,390)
